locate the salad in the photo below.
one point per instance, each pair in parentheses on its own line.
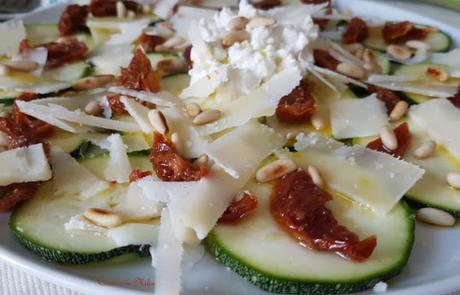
(293,142)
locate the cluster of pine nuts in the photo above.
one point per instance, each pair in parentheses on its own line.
(404,52)
(370,65)
(238,25)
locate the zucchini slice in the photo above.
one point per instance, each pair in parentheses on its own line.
(262,253)
(39,223)
(44,33)
(69,72)
(438,40)
(175,83)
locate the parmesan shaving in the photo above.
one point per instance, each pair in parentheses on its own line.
(161,98)
(139,112)
(118,168)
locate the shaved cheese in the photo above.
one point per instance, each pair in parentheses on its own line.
(61,113)
(137,206)
(136,142)
(118,168)
(12,32)
(440,119)
(374,179)
(357,117)
(219,3)
(180,123)
(139,112)
(435,91)
(25,164)
(129,32)
(39,55)
(394,78)
(72,178)
(161,98)
(164,8)
(338,77)
(186,14)
(260,102)
(168,257)
(109,59)
(44,88)
(451,58)
(206,85)
(134,234)
(233,151)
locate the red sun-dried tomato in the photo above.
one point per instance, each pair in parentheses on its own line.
(325,60)
(117,107)
(23,130)
(299,207)
(60,53)
(239,209)
(101,8)
(267,4)
(357,31)
(139,75)
(73,19)
(297,106)
(388,97)
(27,96)
(169,165)
(455,100)
(395,33)
(137,174)
(403,137)
(316,2)
(149,42)
(12,194)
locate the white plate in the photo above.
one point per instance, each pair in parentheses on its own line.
(434,266)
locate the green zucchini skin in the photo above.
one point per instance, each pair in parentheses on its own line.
(274,284)
(415,204)
(68,257)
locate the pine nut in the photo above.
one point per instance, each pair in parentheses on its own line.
(453,179)
(103,217)
(399,52)
(260,22)
(121,9)
(131,14)
(418,45)
(388,138)
(158,121)
(438,74)
(69,93)
(146,9)
(93,82)
(354,47)
(351,70)
(4,139)
(359,54)
(93,108)
(275,170)
(435,217)
(202,160)
(22,65)
(235,37)
(425,150)
(193,109)
(237,23)
(318,121)
(206,117)
(4,71)
(172,66)
(368,56)
(316,176)
(291,135)
(174,41)
(399,110)
(372,68)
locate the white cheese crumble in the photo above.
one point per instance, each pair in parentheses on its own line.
(244,66)
(380,287)
(78,222)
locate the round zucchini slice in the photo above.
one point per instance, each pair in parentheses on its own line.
(262,253)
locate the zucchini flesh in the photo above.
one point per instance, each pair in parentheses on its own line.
(39,223)
(175,83)
(265,255)
(438,41)
(69,72)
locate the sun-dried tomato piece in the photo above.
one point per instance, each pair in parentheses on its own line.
(239,209)
(73,19)
(388,97)
(395,33)
(60,53)
(316,2)
(149,42)
(137,174)
(117,107)
(299,207)
(23,130)
(325,60)
(357,31)
(187,56)
(455,100)
(101,8)
(12,194)
(139,75)
(169,165)
(297,106)
(267,4)
(403,137)
(27,96)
